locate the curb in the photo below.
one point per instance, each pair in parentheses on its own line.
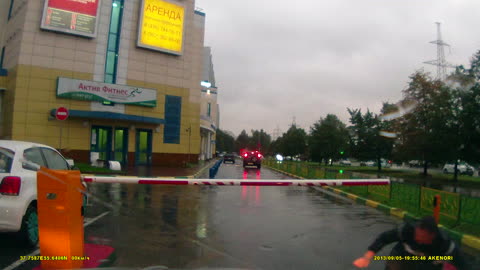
(282,172)
(465,239)
(201,170)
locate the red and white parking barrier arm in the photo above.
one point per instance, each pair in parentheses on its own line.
(235,182)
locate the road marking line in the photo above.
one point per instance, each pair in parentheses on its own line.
(36,252)
(96,218)
(20,262)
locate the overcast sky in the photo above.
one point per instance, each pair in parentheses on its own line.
(276,59)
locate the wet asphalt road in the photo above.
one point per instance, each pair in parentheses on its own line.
(190,227)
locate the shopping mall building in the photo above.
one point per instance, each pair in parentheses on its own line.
(209,109)
(128,72)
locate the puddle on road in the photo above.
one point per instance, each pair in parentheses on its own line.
(298,236)
(266,248)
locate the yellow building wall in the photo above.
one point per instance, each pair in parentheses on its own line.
(190,116)
(35,95)
(3,81)
(8,102)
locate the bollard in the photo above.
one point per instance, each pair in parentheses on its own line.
(436,208)
(60,223)
(214,169)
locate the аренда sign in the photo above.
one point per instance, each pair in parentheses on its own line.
(161,26)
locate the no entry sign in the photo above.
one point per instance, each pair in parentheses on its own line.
(61,113)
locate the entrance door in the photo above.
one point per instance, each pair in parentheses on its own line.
(101,142)
(120,147)
(143,149)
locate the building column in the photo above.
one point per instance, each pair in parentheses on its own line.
(202,146)
(209,146)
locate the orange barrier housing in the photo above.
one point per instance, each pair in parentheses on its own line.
(60,223)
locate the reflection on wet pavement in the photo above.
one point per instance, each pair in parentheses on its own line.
(249,227)
(241,227)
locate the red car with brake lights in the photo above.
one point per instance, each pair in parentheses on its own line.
(252,158)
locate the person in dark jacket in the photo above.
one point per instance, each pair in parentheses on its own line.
(413,242)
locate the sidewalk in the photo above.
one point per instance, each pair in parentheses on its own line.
(465,239)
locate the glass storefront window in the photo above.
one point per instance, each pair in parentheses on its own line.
(119,147)
(102,143)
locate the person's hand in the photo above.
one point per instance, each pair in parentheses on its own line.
(364,261)
(361,262)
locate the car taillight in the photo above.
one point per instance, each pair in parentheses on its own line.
(10,185)
(245,155)
(258,155)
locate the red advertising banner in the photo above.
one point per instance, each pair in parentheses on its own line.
(87,7)
(77,17)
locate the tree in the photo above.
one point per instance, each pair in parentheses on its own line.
(225,142)
(292,143)
(423,132)
(242,141)
(369,139)
(275,146)
(328,139)
(260,140)
(463,122)
(363,134)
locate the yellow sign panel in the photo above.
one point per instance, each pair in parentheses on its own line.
(161,26)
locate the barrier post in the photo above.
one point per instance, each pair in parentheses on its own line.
(60,222)
(436,208)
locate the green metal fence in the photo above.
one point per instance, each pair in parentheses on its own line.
(379,193)
(470,210)
(455,209)
(405,196)
(450,202)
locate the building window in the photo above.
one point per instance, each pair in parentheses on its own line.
(111,60)
(3,72)
(1,57)
(1,113)
(209,109)
(173,114)
(10,10)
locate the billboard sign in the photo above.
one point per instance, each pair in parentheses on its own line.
(161,26)
(77,17)
(98,91)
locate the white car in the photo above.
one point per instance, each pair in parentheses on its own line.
(369,163)
(415,164)
(385,163)
(462,167)
(345,162)
(18,185)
